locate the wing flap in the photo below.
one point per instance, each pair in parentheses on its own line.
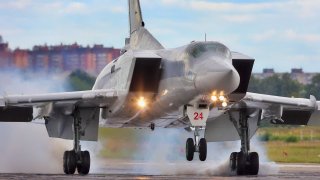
(16,114)
(296,117)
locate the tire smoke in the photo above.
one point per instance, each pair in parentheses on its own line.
(26,147)
(164,152)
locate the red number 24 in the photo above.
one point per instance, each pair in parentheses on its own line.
(198,116)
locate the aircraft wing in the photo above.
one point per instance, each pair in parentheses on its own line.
(15,107)
(263,109)
(285,110)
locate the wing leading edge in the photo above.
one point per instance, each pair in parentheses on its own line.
(20,105)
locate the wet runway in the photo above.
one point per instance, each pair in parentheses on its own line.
(182,170)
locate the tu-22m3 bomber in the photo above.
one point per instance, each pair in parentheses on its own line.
(201,86)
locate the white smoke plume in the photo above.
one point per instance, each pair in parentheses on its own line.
(164,152)
(26,147)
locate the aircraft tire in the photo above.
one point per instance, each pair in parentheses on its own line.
(202,149)
(190,148)
(69,162)
(233,161)
(83,167)
(241,164)
(253,168)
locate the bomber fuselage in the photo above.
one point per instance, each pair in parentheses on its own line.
(185,75)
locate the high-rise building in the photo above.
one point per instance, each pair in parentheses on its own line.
(57,59)
(40,58)
(71,57)
(5,54)
(21,58)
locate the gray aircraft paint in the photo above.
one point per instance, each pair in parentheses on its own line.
(189,74)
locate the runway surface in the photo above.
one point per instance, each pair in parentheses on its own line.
(179,170)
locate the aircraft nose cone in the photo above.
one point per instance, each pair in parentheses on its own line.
(223,78)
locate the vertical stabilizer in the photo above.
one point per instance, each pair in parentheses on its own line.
(135,16)
(140,38)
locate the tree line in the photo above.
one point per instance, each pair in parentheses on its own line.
(283,85)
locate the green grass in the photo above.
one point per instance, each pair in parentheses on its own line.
(299,152)
(293,144)
(301,133)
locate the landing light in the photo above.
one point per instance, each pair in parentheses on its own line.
(214,98)
(224,104)
(142,102)
(221,98)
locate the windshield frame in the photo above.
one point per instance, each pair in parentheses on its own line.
(198,49)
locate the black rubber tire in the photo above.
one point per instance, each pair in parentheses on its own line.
(190,148)
(83,167)
(253,168)
(241,164)
(69,162)
(233,161)
(202,149)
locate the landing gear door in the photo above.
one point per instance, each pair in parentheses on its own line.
(198,115)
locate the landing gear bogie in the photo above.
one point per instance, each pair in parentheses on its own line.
(244,165)
(76,159)
(244,162)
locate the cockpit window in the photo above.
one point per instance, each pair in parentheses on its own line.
(198,49)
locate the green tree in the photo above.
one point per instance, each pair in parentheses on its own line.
(254,85)
(276,85)
(80,80)
(290,87)
(313,88)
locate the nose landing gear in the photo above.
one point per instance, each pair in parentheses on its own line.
(196,146)
(198,115)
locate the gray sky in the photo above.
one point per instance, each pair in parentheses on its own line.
(278,34)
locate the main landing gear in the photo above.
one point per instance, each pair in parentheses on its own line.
(244,162)
(197,146)
(76,159)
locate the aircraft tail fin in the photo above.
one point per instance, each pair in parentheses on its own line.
(135,15)
(140,38)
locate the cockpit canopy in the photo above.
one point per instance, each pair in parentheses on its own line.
(199,49)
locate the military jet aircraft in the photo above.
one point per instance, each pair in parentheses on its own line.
(201,86)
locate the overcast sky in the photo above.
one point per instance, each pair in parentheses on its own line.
(278,34)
